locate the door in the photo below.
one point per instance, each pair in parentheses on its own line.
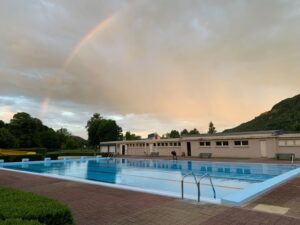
(123,149)
(189,149)
(263,148)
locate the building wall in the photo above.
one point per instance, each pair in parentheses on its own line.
(252,150)
(273,145)
(289,145)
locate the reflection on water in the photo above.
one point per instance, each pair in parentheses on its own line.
(162,175)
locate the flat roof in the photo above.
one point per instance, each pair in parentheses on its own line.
(217,136)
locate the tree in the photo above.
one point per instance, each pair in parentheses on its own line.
(174,134)
(130,136)
(211,128)
(50,139)
(26,129)
(7,140)
(2,124)
(100,129)
(194,132)
(72,143)
(165,136)
(64,132)
(184,132)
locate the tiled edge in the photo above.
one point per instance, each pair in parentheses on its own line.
(241,197)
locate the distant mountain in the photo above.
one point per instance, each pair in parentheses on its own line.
(283,116)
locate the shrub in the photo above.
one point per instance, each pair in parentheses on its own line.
(18,158)
(16,204)
(19,222)
(53,156)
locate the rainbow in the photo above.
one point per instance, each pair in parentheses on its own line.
(74,51)
(44,107)
(87,37)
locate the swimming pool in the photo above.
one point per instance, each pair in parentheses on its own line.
(234,183)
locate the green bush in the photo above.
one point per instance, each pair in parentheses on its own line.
(16,204)
(19,222)
(53,156)
(18,158)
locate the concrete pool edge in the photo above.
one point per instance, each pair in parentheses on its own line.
(252,192)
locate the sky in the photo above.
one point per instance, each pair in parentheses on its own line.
(151,65)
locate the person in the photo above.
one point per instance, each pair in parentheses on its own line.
(174,155)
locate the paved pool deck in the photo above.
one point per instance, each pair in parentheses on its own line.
(97,205)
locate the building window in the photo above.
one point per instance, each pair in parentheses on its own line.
(290,143)
(171,144)
(281,143)
(222,143)
(158,144)
(204,143)
(245,143)
(179,144)
(166,144)
(175,144)
(147,144)
(241,143)
(154,144)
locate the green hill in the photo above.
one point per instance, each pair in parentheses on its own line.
(283,116)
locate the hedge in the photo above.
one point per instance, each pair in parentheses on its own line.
(19,222)
(52,155)
(16,204)
(18,158)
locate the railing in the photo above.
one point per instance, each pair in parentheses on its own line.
(110,155)
(197,182)
(211,183)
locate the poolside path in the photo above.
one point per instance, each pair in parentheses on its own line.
(97,205)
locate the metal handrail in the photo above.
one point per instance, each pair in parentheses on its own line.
(196,182)
(110,155)
(211,183)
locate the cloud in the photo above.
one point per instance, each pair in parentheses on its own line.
(157,64)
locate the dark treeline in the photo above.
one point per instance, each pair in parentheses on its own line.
(24,131)
(185,132)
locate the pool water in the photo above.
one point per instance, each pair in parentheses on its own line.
(162,176)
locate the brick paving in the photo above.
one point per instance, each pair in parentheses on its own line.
(97,205)
(288,195)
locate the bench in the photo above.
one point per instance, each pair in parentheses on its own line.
(286,156)
(154,154)
(205,155)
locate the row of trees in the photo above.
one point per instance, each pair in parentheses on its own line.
(185,132)
(100,130)
(24,131)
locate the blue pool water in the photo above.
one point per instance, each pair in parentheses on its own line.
(162,176)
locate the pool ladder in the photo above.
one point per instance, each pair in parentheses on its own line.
(110,155)
(197,182)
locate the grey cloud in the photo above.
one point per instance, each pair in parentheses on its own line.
(177,61)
